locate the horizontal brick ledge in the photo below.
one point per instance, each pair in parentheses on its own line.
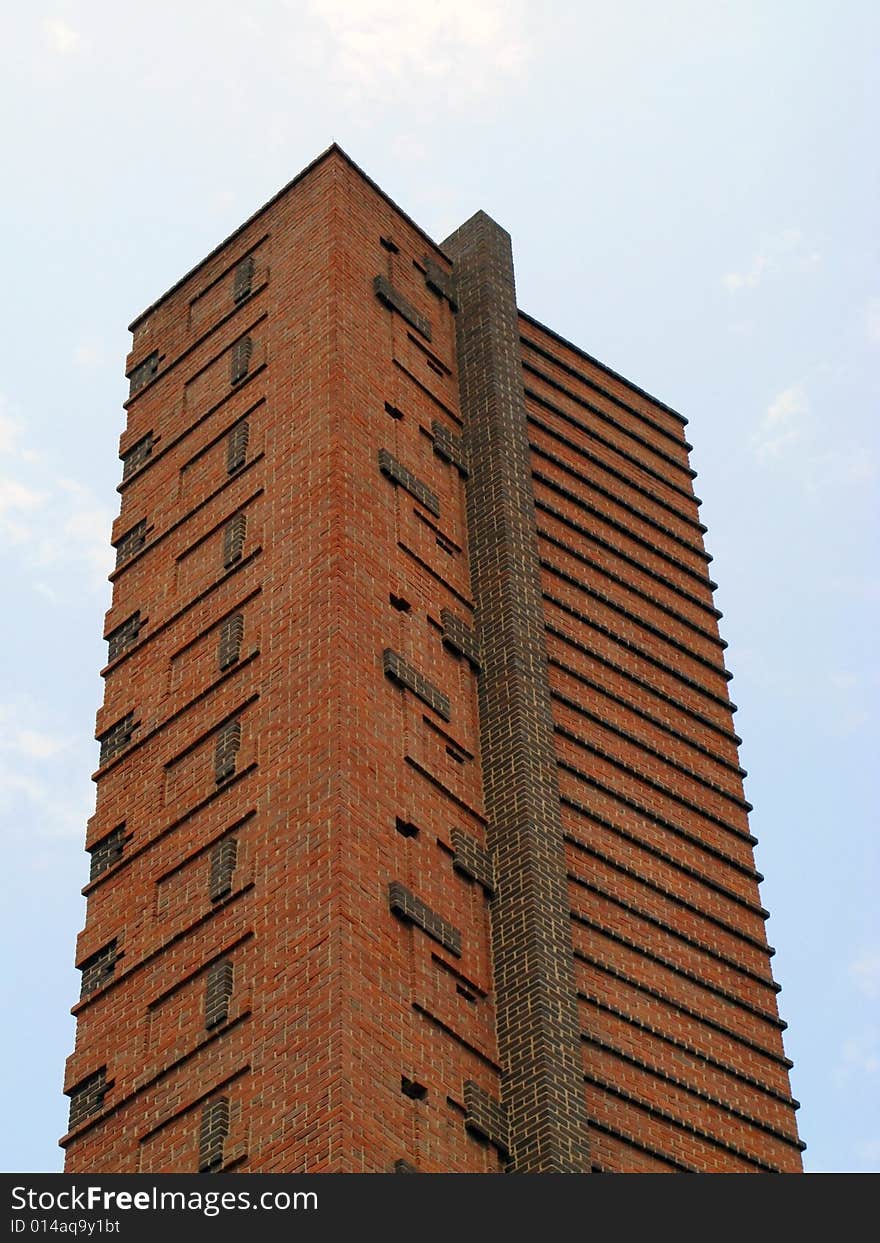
(592,384)
(666,1038)
(680,1124)
(532,395)
(607,469)
(643,952)
(691,942)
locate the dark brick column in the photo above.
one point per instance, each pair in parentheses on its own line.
(538,1031)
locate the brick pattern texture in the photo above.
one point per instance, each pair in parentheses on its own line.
(432,783)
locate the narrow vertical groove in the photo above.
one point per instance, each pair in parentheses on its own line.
(533,963)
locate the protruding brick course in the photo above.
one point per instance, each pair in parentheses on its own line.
(419,815)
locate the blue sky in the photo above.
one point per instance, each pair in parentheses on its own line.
(692,192)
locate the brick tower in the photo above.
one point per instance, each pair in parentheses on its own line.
(420,840)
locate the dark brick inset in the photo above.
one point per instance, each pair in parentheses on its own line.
(131,542)
(413,910)
(106,852)
(243,279)
(143,373)
(224,857)
(240,359)
(87,1097)
(137,455)
(449,448)
(98,968)
(486,1117)
(542,1087)
(439,282)
(233,540)
(394,299)
(472,860)
(213,1134)
(218,993)
(231,636)
(459,638)
(226,749)
(392,469)
(124,636)
(404,1167)
(115,739)
(237,447)
(397,669)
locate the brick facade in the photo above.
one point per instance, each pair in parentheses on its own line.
(420,842)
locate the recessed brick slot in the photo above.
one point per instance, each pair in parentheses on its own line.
(115,739)
(415,1091)
(460,639)
(213,1134)
(463,992)
(398,602)
(405,828)
(449,448)
(226,750)
(398,474)
(455,755)
(404,1167)
(137,455)
(131,542)
(486,1117)
(243,279)
(237,446)
(240,359)
(233,540)
(231,636)
(439,282)
(406,906)
(389,244)
(143,373)
(98,968)
(218,993)
(392,411)
(399,671)
(87,1097)
(106,852)
(224,856)
(395,301)
(470,859)
(124,636)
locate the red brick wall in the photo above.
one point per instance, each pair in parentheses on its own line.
(349,775)
(335,1000)
(682,1048)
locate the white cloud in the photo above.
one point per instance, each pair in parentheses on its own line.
(47,520)
(463,46)
(62,38)
(89,355)
(872,320)
(750,277)
(785,252)
(16,495)
(866,973)
(860,1056)
(782,425)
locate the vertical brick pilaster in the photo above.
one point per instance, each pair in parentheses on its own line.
(533,964)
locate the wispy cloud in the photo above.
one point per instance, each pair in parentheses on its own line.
(62,38)
(50,523)
(43,787)
(789,251)
(783,423)
(860,1055)
(866,973)
(374,47)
